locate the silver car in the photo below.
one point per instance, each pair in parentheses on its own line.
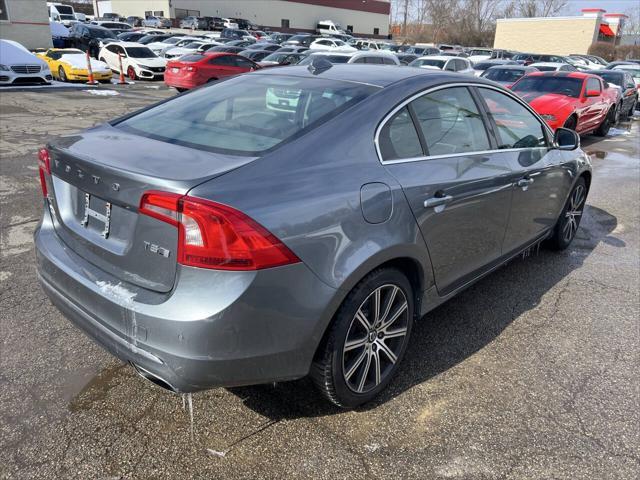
(219,239)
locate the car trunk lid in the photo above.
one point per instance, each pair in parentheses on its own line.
(98,178)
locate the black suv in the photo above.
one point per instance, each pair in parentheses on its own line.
(234,33)
(214,23)
(89,37)
(134,21)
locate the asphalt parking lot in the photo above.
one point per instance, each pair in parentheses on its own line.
(531,373)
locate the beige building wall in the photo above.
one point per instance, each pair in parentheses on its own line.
(558,35)
(28,23)
(269,13)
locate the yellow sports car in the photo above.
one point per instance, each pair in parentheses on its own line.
(69,64)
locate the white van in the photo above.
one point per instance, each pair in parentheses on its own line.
(328,27)
(61,13)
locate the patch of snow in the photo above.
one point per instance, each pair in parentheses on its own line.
(216,453)
(372,448)
(117,292)
(102,93)
(614,132)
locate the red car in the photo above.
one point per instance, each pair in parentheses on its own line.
(580,101)
(193,70)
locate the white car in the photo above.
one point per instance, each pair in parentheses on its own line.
(444,62)
(586,63)
(554,67)
(371,57)
(332,44)
(138,61)
(183,42)
(633,70)
(159,47)
(479,55)
(230,24)
(195,46)
(19,66)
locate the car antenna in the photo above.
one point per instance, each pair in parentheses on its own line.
(319,65)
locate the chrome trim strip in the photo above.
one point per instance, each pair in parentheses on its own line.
(405,102)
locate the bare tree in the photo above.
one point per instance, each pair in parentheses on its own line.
(539,8)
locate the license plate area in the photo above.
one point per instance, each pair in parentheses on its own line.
(96,214)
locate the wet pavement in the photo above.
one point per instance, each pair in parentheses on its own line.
(531,373)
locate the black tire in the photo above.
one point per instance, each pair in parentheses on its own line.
(571,123)
(560,239)
(180,90)
(62,75)
(632,108)
(351,378)
(607,121)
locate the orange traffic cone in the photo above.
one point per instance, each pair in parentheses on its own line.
(92,81)
(122,81)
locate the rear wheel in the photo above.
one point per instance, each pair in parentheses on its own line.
(180,89)
(605,126)
(632,108)
(569,221)
(367,339)
(131,73)
(61,74)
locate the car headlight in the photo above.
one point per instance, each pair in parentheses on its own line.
(144,66)
(549,117)
(4,68)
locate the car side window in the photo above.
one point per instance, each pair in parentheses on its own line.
(517,126)
(398,137)
(450,65)
(224,60)
(593,84)
(450,122)
(242,63)
(359,60)
(374,60)
(388,61)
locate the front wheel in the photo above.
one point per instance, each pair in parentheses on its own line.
(569,221)
(367,339)
(62,74)
(571,123)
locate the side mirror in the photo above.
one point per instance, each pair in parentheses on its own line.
(592,93)
(566,139)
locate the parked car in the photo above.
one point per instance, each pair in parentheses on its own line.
(573,100)
(623,81)
(371,57)
(236,34)
(477,55)
(70,64)
(193,47)
(225,49)
(585,62)
(154,38)
(240,23)
(90,37)
(198,23)
(443,62)
(270,47)
(632,69)
(331,44)
(20,67)
(162,47)
(281,59)
(406,58)
(349,235)
(292,49)
(156,22)
(131,36)
(423,51)
(507,75)
(239,43)
(300,40)
(255,55)
(194,70)
(480,67)
(135,21)
(228,23)
(138,61)
(280,38)
(553,66)
(116,27)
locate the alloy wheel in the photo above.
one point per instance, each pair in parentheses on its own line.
(375,338)
(62,75)
(574,213)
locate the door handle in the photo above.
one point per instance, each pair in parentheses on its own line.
(437,201)
(524,182)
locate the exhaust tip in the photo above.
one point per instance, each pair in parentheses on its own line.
(153,378)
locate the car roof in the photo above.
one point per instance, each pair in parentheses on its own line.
(580,75)
(511,66)
(376,75)
(130,44)
(438,57)
(549,64)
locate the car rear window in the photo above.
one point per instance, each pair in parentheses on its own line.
(562,85)
(246,115)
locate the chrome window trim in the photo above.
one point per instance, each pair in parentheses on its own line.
(410,99)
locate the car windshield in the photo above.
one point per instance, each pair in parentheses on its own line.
(193,45)
(483,65)
(101,33)
(479,52)
(67,17)
(151,39)
(248,114)
(139,52)
(506,75)
(562,85)
(429,62)
(172,40)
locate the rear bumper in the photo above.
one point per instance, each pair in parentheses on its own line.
(214,329)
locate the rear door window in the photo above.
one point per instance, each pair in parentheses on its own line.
(399,139)
(450,122)
(517,126)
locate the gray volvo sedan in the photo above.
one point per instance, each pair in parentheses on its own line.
(297,221)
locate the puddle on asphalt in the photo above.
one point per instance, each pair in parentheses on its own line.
(96,389)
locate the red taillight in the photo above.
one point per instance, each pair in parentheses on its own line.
(212,235)
(44,168)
